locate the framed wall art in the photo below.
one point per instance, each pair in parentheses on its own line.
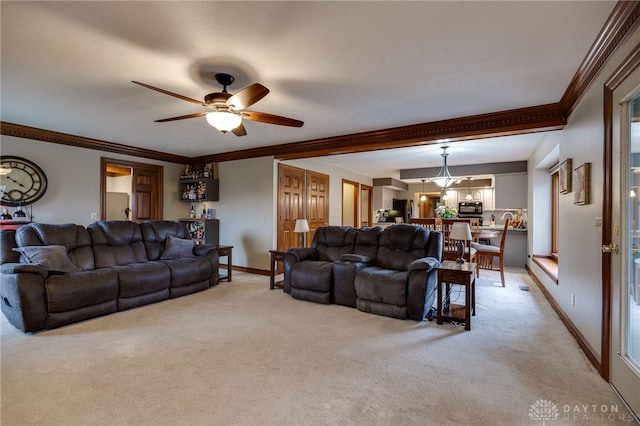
(582,184)
(564,173)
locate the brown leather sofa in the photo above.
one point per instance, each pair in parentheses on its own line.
(387,271)
(52,275)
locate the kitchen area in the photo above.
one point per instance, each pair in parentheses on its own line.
(492,199)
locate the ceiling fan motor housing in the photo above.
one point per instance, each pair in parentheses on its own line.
(217,99)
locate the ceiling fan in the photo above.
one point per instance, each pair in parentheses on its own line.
(228,110)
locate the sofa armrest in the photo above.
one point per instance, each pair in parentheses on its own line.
(203,249)
(303,253)
(23,297)
(427,263)
(16,268)
(356,258)
(210,251)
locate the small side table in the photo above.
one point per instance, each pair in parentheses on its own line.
(276,256)
(228,252)
(449,273)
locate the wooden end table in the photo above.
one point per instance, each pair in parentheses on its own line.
(276,256)
(452,273)
(225,251)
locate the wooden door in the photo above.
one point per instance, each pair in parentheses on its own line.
(145,194)
(290,204)
(317,202)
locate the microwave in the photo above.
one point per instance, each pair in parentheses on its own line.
(470,207)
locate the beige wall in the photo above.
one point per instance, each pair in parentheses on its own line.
(73,175)
(579,267)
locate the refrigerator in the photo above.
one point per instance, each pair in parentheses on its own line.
(401,209)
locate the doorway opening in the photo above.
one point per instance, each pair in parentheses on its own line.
(130,190)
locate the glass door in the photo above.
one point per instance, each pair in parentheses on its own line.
(625,291)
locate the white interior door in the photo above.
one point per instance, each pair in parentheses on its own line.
(625,297)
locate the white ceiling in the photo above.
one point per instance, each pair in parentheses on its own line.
(341,67)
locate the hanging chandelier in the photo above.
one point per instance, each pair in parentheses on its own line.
(423,196)
(444,178)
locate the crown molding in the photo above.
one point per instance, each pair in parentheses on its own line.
(512,122)
(622,21)
(27,132)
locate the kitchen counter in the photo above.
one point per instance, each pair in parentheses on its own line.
(501,227)
(515,246)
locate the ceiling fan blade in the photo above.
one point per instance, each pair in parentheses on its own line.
(247,96)
(239,131)
(175,95)
(182,117)
(263,117)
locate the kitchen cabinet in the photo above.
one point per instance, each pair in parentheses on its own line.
(487,199)
(511,191)
(383,198)
(452,200)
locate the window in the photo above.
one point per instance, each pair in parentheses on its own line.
(555,212)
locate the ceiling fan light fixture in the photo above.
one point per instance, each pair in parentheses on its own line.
(444,178)
(223,121)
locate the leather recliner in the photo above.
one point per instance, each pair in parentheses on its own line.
(388,272)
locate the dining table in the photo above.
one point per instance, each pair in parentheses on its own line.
(484,234)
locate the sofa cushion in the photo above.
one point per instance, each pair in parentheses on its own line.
(81,289)
(331,242)
(400,245)
(382,285)
(52,258)
(188,270)
(116,242)
(141,278)
(74,238)
(176,248)
(312,275)
(156,232)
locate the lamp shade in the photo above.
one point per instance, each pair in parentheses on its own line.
(301,225)
(444,178)
(460,231)
(223,121)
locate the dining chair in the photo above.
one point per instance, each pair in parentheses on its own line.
(426,222)
(485,254)
(474,223)
(449,246)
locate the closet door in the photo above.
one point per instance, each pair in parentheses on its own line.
(317,202)
(290,204)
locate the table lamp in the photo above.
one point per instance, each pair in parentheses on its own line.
(460,231)
(302,227)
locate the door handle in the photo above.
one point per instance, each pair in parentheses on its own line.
(611,248)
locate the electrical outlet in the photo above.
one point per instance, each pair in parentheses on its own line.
(573,299)
(94,216)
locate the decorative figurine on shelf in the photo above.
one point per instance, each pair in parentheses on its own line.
(5,214)
(19,212)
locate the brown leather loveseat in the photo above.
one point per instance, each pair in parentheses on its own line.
(387,271)
(52,275)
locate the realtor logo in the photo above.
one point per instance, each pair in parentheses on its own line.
(544,410)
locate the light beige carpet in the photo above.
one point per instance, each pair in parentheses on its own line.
(240,354)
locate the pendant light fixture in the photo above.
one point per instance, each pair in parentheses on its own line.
(469,196)
(423,196)
(444,178)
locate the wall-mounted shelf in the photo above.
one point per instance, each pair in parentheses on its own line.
(202,189)
(203,231)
